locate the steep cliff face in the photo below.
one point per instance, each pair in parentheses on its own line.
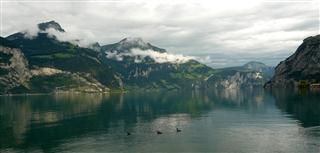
(252,74)
(304,64)
(236,79)
(14,70)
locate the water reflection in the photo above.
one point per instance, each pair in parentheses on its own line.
(303,105)
(19,116)
(49,122)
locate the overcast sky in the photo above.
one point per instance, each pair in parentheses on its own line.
(221,33)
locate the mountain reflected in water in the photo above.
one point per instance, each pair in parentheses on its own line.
(251,120)
(303,105)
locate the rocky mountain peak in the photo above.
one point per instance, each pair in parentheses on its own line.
(51,24)
(134,42)
(126,44)
(254,65)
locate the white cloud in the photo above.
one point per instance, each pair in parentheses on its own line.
(31,31)
(139,55)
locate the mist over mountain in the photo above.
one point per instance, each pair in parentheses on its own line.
(57,65)
(129,43)
(137,50)
(49,64)
(143,64)
(51,24)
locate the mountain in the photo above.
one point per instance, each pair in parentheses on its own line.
(260,67)
(129,43)
(51,24)
(303,65)
(17,75)
(56,65)
(251,74)
(142,69)
(45,64)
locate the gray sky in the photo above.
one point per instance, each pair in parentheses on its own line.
(220,33)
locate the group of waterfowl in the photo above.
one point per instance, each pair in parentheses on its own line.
(159,132)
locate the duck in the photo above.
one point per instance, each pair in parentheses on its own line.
(128,133)
(159,132)
(178,130)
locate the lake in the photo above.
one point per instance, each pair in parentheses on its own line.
(251,120)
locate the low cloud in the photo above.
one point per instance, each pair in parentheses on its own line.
(31,31)
(140,55)
(68,37)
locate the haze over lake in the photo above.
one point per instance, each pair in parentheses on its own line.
(252,120)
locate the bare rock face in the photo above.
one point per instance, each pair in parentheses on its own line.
(304,64)
(51,24)
(240,80)
(14,67)
(251,75)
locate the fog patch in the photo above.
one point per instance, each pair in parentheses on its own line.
(31,32)
(67,37)
(139,55)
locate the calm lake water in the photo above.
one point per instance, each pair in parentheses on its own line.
(211,121)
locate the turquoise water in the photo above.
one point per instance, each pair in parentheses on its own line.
(211,121)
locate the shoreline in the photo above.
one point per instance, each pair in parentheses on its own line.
(54,93)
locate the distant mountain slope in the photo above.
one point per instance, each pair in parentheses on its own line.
(252,74)
(304,64)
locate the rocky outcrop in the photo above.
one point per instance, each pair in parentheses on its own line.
(252,74)
(51,24)
(303,65)
(14,69)
(237,80)
(268,71)
(128,43)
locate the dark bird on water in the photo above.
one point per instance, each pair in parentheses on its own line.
(158,132)
(128,133)
(178,130)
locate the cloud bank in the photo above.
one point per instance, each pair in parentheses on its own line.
(222,33)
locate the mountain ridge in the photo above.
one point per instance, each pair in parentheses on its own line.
(128,43)
(56,66)
(51,24)
(61,66)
